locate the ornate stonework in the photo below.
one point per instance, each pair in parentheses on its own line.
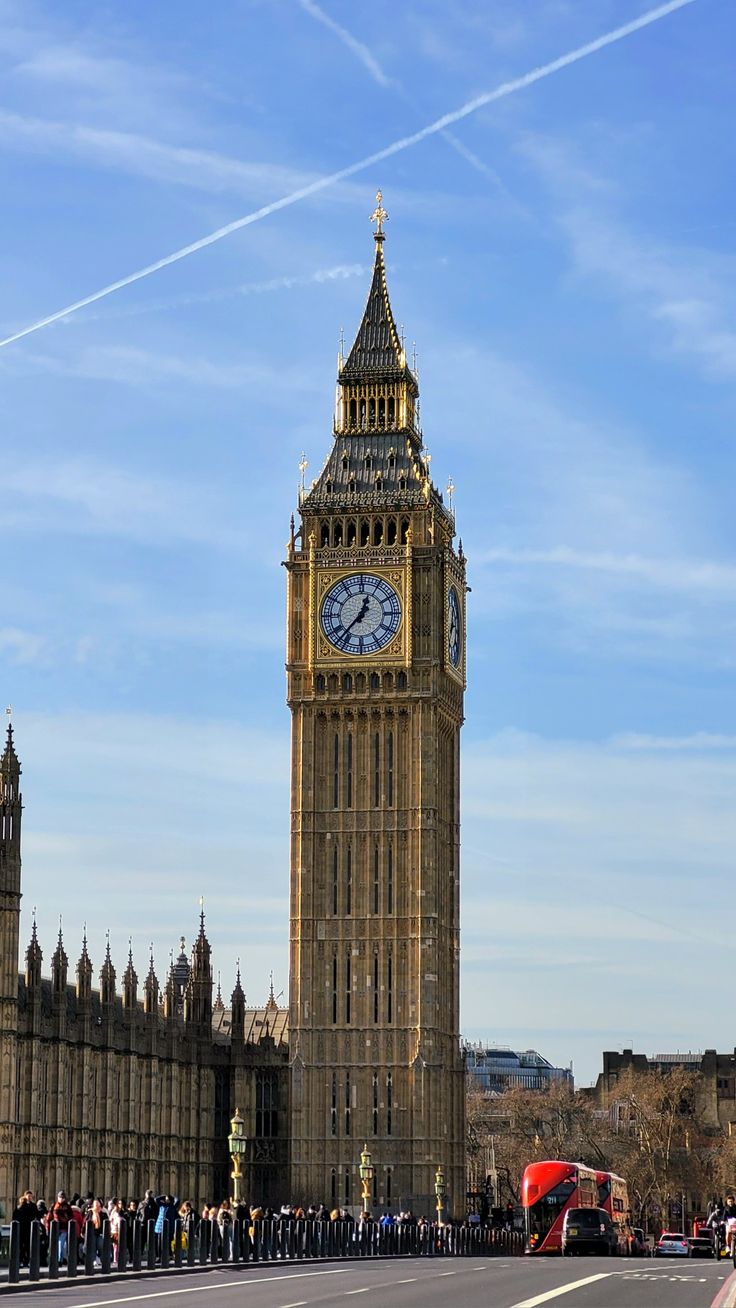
(375,687)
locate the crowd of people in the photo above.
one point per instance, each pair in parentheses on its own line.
(111,1215)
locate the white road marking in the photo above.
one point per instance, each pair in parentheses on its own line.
(300,1303)
(562,1289)
(447,1273)
(200,1289)
(408,1281)
(363,1290)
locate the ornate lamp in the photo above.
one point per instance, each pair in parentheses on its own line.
(367,1172)
(237,1145)
(440,1190)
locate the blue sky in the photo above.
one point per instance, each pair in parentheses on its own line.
(565,264)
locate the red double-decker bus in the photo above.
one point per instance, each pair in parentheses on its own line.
(548,1189)
(613,1196)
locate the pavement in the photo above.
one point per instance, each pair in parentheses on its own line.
(418,1283)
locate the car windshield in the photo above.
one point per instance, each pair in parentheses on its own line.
(668,1235)
(583,1217)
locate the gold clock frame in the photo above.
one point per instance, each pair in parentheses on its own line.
(398,650)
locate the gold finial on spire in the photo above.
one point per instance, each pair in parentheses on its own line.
(379,217)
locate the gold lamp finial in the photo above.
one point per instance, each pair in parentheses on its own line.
(379,216)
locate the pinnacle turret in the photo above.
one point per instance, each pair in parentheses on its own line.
(84,971)
(59,966)
(34,957)
(107,977)
(130,981)
(150,988)
(237,1009)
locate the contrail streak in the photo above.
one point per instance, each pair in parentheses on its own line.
(439,125)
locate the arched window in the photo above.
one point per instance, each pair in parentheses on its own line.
(351,486)
(349,765)
(328,487)
(334,989)
(391,410)
(365,531)
(334,880)
(375,1103)
(378,532)
(362,415)
(347,1103)
(351,532)
(367,460)
(376,878)
(348,988)
(376,770)
(391,536)
(401,681)
(389,1101)
(333,1118)
(349,881)
(320,682)
(371,412)
(345,458)
(353,413)
(390,769)
(390,990)
(375,681)
(336,771)
(347,681)
(324,534)
(379,483)
(390,880)
(337,534)
(376,989)
(381,412)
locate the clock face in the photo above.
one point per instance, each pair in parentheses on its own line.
(360,614)
(453,627)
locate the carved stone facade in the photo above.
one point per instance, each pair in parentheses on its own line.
(117,1092)
(376,675)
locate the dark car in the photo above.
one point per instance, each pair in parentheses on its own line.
(701,1245)
(588,1230)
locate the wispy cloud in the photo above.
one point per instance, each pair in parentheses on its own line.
(22,646)
(696,577)
(698,742)
(356,47)
(396,147)
(687,292)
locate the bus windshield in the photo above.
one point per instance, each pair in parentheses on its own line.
(542,1215)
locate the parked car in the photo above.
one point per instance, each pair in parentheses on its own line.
(672,1244)
(701,1245)
(588,1230)
(638,1245)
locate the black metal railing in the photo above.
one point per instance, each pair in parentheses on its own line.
(200,1242)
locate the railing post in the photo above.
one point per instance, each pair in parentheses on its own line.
(245,1246)
(151,1244)
(214,1242)
(53,1250)
(106,1255)
(136,1245)
(235,1242)
(34,1253)
(191,1221)
(89,1248)
(177,1242)
(14,1254)
(165,1242)
(122,1245)
(204,1240)
(72,1248)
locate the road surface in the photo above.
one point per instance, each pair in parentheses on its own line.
(415,1283)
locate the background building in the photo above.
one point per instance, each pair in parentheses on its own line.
(495,1068)
(717,1081)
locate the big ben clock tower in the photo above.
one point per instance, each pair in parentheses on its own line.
(376,675)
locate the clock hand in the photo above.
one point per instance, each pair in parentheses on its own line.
(360,616)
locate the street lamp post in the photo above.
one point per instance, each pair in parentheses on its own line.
(367,1172)
(440,1190)
(237,1145)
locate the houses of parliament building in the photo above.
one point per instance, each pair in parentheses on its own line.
(132,1083)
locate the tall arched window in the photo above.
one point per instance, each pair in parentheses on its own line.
(390,769)
(375,1103)
(333,1114)
(348,988)
(347,1103)
(336,772)
(389,1102)
(390,990)
(334,880)
(376,988)
(390,879)
(349,767)
(376,770)
(349,880)
(376,878)
(334,989)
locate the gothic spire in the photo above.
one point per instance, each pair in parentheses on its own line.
(84,970)
(9,761)
(219,1006)
(130,980)
(378,347)
(34,958)
(237,1009)
(150,1002)
(107,976)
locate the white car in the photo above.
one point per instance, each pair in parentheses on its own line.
(672,1244)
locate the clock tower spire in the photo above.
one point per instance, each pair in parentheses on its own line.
(376,675)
